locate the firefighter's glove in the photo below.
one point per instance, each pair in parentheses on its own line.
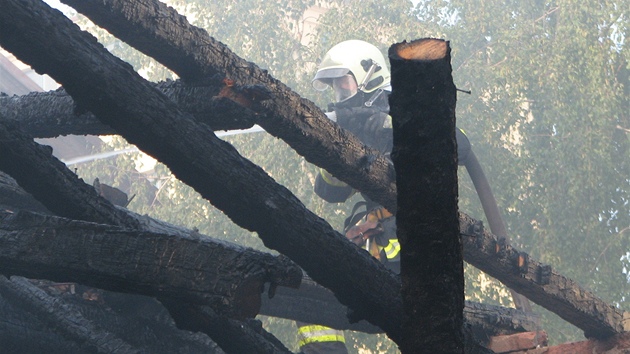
(374,125)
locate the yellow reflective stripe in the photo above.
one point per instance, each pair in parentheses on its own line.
(318,333)
(388,122)
(330,179)
(392,249)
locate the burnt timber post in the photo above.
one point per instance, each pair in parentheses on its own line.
(425,158)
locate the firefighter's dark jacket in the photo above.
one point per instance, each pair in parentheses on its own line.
(333,190)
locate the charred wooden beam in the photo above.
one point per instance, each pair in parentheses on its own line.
(54,113)
(387,195)
(190,269)
(425,156)
(73,324)
(13,197)
(538,282)
(252,338)
(619,343)
(41,316)
(60,184)
(62,192)
(145,117)
(160,32)
(278,272)
(297,304)
(173,41)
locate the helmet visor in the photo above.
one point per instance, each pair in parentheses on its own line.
(344,87)
(323,77)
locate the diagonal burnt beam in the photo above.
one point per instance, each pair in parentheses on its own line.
(482,266)
(50,43)
(297,304)
(75,326)
(54,113)
(30,165)
(173,41)
(538,282)
(38,316)
(160,32)
(165,261)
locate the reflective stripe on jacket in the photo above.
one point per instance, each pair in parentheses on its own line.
(392,248)
(317,334)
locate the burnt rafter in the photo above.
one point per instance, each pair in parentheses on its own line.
(145,117)
(189,268)
(124,252)
(538,282)
(308,124)
(87,320)
(287,302)
(170,40)
(160,32)
(54,113)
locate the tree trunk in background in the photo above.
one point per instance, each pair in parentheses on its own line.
(425,157)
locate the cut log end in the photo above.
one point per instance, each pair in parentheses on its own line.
(420,49)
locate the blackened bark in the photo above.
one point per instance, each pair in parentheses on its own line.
(298,304)
(13,197)
(425,156)
(54,113)
(251,337)
(50,182)
(40,316)
(538,282)
(176,44)
(158,31)
(145,117)
(191,269)
(319,131)
(491,210)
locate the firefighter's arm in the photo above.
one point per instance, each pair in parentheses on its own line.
(331,189)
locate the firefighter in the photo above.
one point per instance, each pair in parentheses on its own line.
(357,73)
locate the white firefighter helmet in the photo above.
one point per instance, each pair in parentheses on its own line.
(355,59)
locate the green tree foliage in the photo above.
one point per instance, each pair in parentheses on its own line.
(548,119)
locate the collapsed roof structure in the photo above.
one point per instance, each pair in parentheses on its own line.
(99,234)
